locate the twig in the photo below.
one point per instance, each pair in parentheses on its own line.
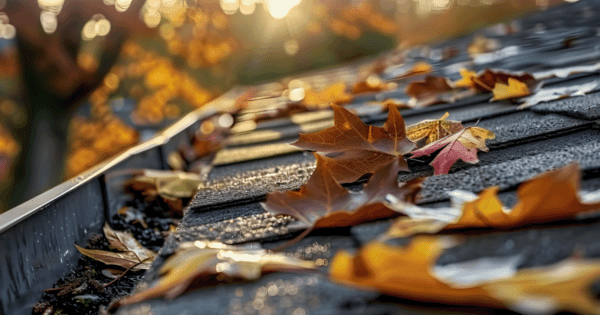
(124,272)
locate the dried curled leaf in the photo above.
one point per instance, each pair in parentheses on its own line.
(514,89)
(168,184)
(334,93)
(547,95)
(550,197)
(124,242)
(408,273)
(462,145)
(206,260)
(357,148)
(131,253)
(431,130)
(322,202)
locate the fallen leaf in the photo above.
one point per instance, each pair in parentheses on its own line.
(334,93)
(356,147)
(550,197)
(123,259)
(404,272)
(385,104)
(481,45)
(551,94)
(565,286)
(431,130)
(429,88)
(372,83)
(125,242)
(416,69)
(408,273)
(434,90)
(462,145)
(174,184)
(466,80)
(206,260)
(487,79)
(322,202)
(211,135)
(514,89)
(287,110)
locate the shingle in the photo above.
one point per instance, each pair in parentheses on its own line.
(585,107)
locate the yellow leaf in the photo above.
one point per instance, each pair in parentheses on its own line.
(467,79)
(432,130)
(514,89)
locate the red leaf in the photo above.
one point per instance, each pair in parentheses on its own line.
(459,146)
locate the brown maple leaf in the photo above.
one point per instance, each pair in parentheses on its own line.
(434,90)
(409,272)
(549,197)
(322,202)
(203,260)
(462,145)
(358,149)
(431,130)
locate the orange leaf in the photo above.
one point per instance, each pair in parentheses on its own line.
(514,89)
(404,272)
(352,142)
(416,69)
(322,202)
(334,93)
(481,45)
(549,197)
(467,79)
(372,83)
(409,273)
(385,104)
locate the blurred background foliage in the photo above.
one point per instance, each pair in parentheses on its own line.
(200,49)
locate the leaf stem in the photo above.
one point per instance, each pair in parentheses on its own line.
(294,240)
(124,272)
